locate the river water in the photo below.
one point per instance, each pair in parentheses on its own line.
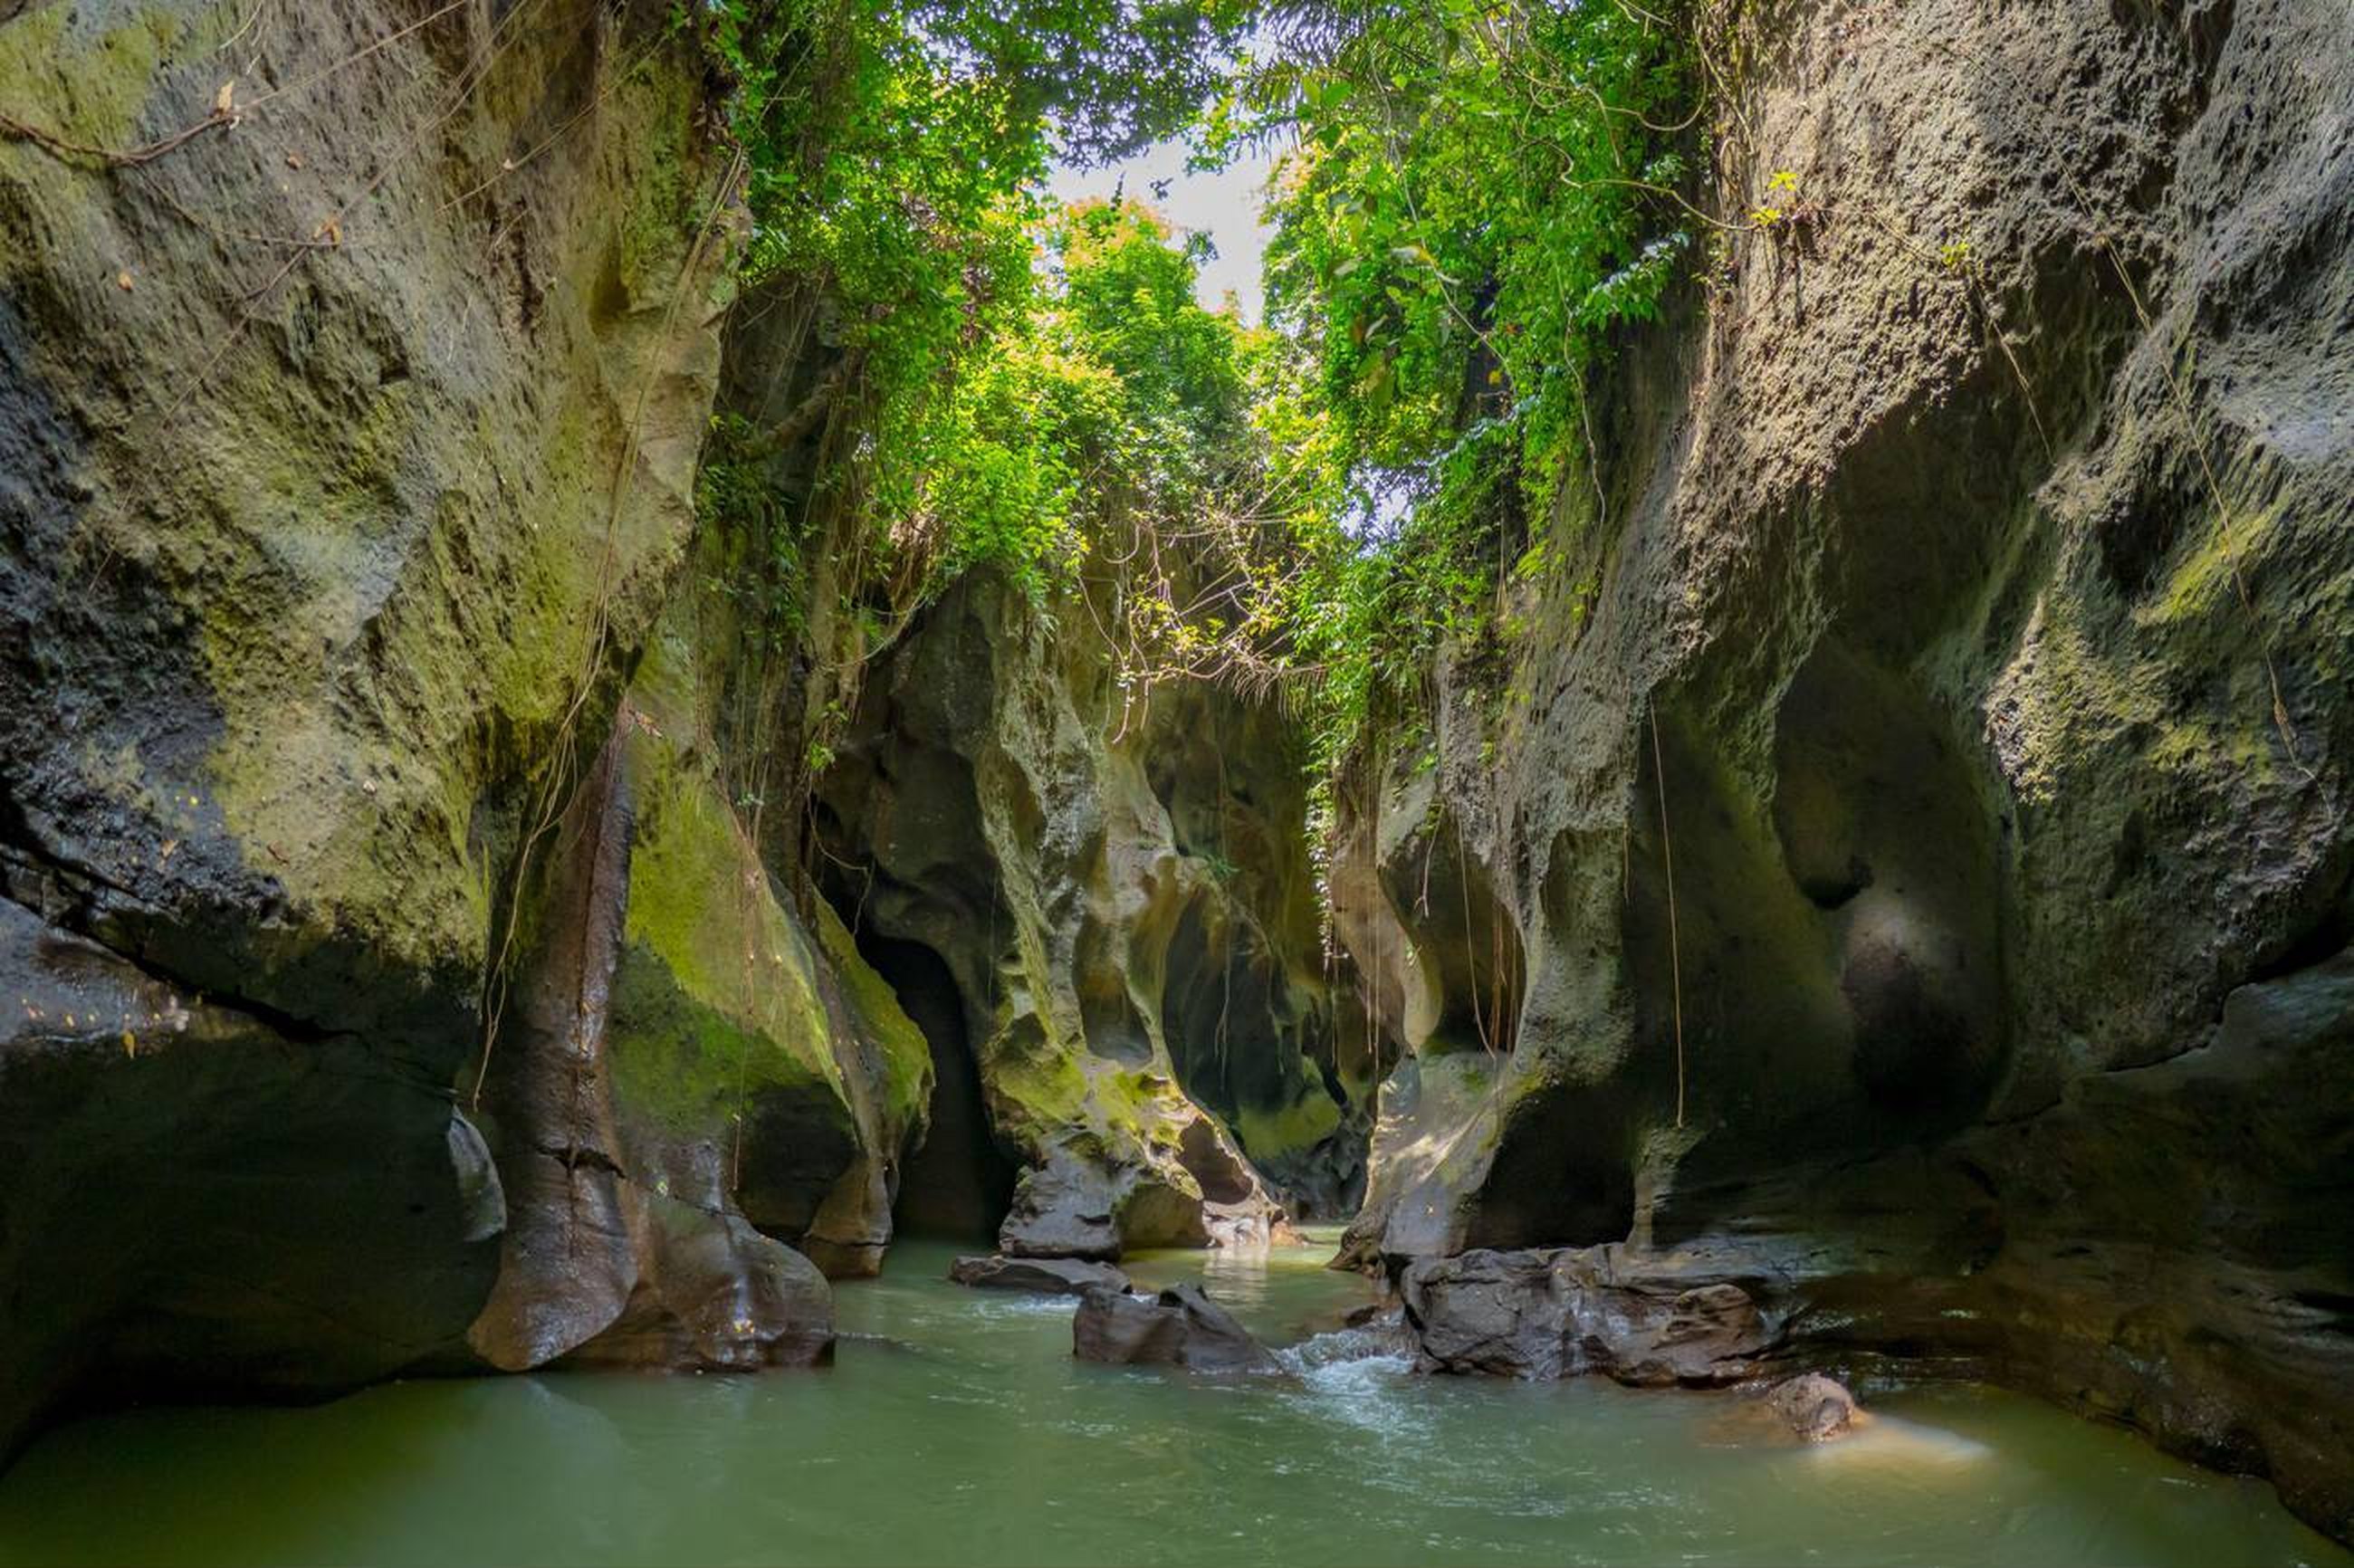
(955,1428)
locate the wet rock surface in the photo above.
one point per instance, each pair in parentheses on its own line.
(350,717)
(1815,1407)
(1112,906)
(1575,1311)
(1044,1275)
(1178,1326)
(625,1244)
(1902,917)
(1064,1208)
(291,615)
(1256,1222)
(182,1213)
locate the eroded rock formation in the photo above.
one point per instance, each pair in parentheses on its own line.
(327,443)
(387,752)
(1911,874)
(1893,911)
(347,486)
(1123,919)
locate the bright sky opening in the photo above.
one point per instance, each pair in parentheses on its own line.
(1224,204)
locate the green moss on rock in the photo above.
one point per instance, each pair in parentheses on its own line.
(904,1056)
(717,1002)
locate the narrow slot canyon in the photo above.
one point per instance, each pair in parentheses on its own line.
(1176,782)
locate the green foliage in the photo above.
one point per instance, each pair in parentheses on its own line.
(1127,294)
(890,147)
(892,153)
(1474,205)
(1114,397)
(1471,208)
(1463,219)
(759,542)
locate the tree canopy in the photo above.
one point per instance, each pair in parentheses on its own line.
(1471,198)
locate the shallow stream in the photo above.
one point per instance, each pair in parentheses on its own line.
(955,1428)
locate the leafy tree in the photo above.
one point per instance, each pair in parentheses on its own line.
(1115,403)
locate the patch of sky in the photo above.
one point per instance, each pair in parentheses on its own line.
(1224,206)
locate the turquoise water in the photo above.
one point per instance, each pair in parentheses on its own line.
(955,1428)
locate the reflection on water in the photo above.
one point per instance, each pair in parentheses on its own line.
(957,1429)
(1892,1442)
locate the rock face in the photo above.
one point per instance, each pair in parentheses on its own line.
(1179,1327)
(1044,1275)
(383,736)
(356,710)
(182,1210)
(1896,907)
(1912,870)
(682,1067)
(1117,918)
(297,550)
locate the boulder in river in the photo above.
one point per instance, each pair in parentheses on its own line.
(1557,1313)
(1818,1408)
(1179,1327)
(1065,1207)
(1043,1276)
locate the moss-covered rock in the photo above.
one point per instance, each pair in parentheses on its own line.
(348,453)
(183,1214)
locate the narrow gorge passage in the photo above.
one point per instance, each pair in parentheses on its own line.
(1166,781)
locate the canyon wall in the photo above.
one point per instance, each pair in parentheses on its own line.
(355,375)
(1112,899)
(1899,868)
(1904,868)
(406,968)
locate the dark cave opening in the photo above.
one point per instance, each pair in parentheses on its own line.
(958,1182)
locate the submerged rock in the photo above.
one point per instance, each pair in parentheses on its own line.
(1045,1276)
(1818,1408)
(1572,1310)
(1179,1327)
